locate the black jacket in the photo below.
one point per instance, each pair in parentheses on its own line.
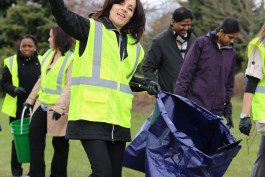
(163,60)
(28,74)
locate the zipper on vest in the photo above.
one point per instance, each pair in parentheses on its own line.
(112,134)
(120,46)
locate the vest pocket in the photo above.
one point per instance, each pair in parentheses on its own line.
(125,111)
(95,105)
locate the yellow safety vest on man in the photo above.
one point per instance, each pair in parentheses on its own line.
(53,82)
(100,90)
(10,103)
(258,108)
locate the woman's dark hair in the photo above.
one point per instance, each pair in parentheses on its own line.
(135,26)
(61,40)
(182,13)
(229,25)
(29,36)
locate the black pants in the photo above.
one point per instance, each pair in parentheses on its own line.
(16,167)
(37,135)
(105,157)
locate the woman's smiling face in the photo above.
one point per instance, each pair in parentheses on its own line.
(121,14)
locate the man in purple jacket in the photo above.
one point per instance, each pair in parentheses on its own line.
(207,74)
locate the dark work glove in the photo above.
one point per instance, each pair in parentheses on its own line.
(245,125)
(27,105)
(19,91)
(229,122)
(153,88)
(56,115)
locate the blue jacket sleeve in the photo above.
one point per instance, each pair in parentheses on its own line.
(188,69)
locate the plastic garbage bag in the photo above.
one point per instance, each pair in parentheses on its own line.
(182,140)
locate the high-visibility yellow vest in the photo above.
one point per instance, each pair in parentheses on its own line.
(9,106)
(10,103)
(53,82)
(100,90)
(258,108)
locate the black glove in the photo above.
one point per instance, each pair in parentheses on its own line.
(229,122)
(153,88)
(19,91)
(56,115)
(26,105)
(245,125)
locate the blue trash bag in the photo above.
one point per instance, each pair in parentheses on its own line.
(182,140)
(135,152)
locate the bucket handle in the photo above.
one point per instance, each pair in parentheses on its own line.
(22,118)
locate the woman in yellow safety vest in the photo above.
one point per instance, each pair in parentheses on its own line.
(49,97)
(254,97)
(107,54)
(21,71)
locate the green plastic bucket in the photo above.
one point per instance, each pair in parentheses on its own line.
(20,131)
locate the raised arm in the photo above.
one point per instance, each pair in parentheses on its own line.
(72,23)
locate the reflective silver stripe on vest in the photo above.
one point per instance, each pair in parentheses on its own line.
(60,77)
(138,49)
(11,60)
(46,56)
(126,89)
(95,79)
(97,50)
(260,89)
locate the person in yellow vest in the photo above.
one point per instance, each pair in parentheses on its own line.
(107,54)
(254,97)
(48,97)
(21,71)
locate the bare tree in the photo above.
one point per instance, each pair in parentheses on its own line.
(84,7)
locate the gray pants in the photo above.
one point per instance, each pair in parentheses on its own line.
(259,165)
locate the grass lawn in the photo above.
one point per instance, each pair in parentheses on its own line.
(78,165)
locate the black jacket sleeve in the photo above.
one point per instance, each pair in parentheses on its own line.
(71,23)
(152,61)
(7,85)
